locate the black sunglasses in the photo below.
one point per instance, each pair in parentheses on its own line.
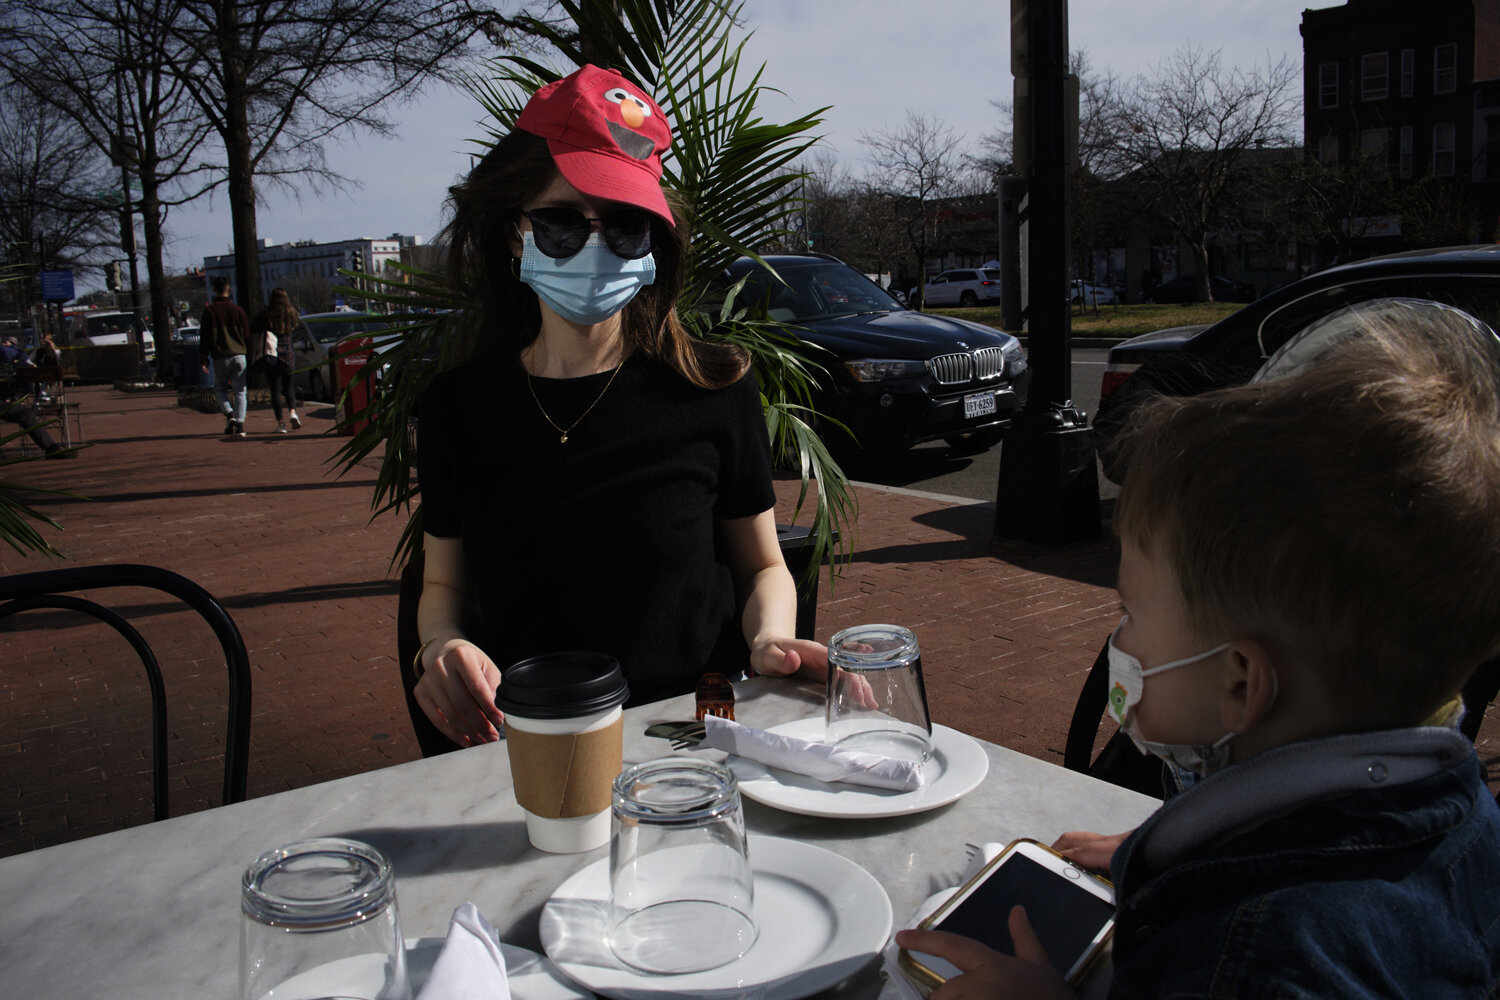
(562,232)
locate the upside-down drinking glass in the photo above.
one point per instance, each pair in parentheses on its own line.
(681,895)
(877,702)
(320,921)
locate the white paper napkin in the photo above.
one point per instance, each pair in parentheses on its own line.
(816,760)
(898,987)
(471,966)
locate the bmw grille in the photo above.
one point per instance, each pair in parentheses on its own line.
(954,369)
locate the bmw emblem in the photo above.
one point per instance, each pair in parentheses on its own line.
(963,345)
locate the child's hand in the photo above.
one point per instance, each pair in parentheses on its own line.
(1090,850)
(987,974)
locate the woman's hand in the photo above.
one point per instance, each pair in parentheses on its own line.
(457,691)
(1090,850)
(987,974)
(784,657)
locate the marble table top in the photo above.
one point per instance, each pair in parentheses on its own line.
(153,911)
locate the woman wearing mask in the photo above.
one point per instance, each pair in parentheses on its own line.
(618,496)
(272,333)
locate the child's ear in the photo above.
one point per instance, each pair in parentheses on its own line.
(1250,688)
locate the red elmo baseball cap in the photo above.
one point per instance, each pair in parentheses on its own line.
(605,135)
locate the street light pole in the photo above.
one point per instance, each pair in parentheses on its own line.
(1049,484)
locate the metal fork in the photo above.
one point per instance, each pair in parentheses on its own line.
(682,735)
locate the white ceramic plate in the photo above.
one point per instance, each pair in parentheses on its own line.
(821,916)
(957,766)
(529,975)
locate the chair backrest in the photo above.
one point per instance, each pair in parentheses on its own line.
(55,588)
(1119,762)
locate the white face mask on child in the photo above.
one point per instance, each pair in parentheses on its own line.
(1126,683)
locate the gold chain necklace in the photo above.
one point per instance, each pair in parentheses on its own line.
(565,431)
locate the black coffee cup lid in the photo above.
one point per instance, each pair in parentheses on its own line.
(562,685)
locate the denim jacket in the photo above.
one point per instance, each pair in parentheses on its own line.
(1365,865)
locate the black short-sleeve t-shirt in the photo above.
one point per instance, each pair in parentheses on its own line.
(605,542)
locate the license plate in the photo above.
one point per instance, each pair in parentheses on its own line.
(979,405)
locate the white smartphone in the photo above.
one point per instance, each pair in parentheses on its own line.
(1072,912)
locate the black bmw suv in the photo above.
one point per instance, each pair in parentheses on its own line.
(895,377)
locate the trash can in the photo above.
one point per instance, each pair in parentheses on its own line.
(355,393)
(187,364)
(797,550)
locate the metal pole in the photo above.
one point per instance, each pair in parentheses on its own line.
(1049,486)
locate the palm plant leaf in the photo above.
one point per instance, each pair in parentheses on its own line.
(736,169)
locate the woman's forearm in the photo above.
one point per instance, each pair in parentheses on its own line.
(770,606)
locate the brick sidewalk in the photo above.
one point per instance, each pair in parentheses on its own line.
(1008,631)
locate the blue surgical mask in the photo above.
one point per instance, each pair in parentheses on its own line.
(588,287)
(1126,684)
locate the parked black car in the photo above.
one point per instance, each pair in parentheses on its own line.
(1184,288)
(1187,360)
(895,377)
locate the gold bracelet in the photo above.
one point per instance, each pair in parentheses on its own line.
(417,669)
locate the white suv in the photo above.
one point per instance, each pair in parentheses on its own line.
(964,286)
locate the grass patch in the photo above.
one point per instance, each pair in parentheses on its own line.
(1116,321)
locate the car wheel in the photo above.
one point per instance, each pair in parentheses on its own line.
(975,441)
(315,385)
(968,300)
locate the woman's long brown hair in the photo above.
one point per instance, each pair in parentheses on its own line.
(281,315)
(506,316)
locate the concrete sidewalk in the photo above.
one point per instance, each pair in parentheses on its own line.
(1008,631)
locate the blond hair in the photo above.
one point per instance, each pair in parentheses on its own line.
(1348,515)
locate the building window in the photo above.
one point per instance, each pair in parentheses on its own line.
(1328,85)
(1442,149)
(1491,148)
(1374,76)
(1445,69)
(1328,150)
(1407,138)
(1372,151)
(1408,71)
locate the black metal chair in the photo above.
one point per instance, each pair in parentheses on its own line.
(1119,762)
(55,588)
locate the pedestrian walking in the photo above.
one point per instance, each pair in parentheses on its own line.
(271,336)
(225,329)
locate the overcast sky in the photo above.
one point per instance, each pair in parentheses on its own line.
(872,60)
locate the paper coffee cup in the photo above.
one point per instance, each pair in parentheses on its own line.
(564,732)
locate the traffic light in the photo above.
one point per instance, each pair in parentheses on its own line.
(359,260)
(112,276)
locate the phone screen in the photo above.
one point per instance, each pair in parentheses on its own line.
(1065,915)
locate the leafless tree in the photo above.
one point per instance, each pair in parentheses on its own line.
(50,174)
(113,67)
(1182,131)
(277,79)
(1096,163)
(918,164)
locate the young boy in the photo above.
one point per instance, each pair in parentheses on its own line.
(1310,569)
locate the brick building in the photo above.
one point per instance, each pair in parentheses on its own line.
(1406,94)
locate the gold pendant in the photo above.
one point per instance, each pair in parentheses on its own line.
(563,439)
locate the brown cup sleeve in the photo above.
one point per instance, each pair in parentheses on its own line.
(565,775)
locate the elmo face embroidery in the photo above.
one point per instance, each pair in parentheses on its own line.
(632,113)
